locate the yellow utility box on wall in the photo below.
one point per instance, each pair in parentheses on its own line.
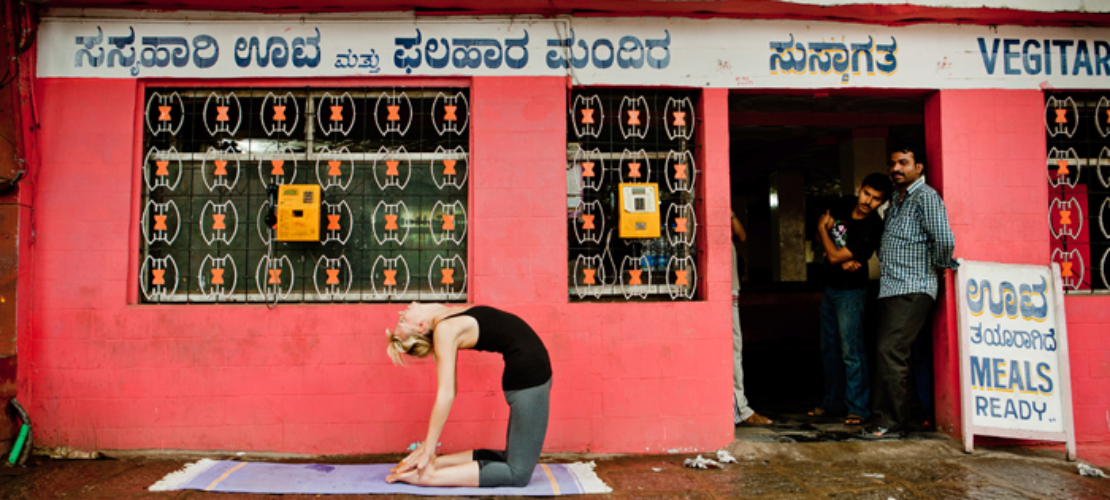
(298,212)
(639,203)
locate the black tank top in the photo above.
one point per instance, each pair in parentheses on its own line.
(526,361)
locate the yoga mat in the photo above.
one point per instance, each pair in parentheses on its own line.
(261,477)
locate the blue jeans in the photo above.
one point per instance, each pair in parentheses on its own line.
(847,387)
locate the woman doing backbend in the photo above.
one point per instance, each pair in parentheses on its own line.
(442,331)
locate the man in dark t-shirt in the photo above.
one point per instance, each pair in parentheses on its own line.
(849,235)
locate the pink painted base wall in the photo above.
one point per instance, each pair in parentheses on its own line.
(640,378)
(987,157)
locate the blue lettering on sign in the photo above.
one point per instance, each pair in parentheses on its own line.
(368,61)
(1017,409)
(156,51)
(1033,303)
(998,374)
(629,52)
(831,57)
(471,53)
(1036,56)
(277,51)
(1033,340)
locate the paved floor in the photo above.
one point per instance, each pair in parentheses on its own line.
(817,466)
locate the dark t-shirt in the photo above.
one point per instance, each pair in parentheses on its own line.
(862,237)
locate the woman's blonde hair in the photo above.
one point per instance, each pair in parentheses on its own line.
(416,344)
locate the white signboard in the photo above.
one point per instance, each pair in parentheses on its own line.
(1015,378)
(726,53)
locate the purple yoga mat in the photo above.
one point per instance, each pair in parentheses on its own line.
(261,477)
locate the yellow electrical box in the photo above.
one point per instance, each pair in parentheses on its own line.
(298,212)
(639,205)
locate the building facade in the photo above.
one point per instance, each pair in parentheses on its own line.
(575,170)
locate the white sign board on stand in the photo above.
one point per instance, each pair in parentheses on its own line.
(1014,375)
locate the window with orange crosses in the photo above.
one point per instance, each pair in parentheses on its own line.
(392,165)
(1077,128)
(617,138)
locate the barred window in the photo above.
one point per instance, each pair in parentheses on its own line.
(391,165)
(1078,142)
(633,195)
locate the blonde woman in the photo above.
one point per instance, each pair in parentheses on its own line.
(442,330)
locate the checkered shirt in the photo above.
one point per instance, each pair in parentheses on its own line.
(917,243)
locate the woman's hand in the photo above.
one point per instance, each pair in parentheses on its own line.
(418,459)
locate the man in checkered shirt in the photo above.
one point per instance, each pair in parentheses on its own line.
(916,248)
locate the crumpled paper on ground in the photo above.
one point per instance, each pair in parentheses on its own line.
(725,457)
(702,463)
(1087,470)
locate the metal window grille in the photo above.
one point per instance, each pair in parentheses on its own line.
(392,164)
(1077,126)
(617,136)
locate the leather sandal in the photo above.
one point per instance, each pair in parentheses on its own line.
(757,419)
(853,419)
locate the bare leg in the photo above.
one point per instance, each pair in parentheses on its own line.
(462,457)
(465,474)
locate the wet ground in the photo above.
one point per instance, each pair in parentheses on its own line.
(792,460)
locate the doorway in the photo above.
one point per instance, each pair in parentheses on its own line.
(794,155)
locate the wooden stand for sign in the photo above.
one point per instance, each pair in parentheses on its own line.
(971,430)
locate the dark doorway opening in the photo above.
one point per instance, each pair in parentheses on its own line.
(794,155)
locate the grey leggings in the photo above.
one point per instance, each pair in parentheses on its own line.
(528,409)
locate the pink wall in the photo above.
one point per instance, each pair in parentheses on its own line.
(644,377)
(988,147)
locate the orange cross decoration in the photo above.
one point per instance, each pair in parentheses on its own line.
(635,274)
(680,278)
(279,113)
(634,170)
(680,224)
(588,169)
(394,113)
(163,168)
(588,116)
(447,276)
(1065,217)
(391,168)
(391,222)
(221,167)
(164,113)
(275,277)
(1108,116)
(277,167)
(218,221)
(680,171)
(448,222)
(1062,167)
(590,273)
(588,222)
(221,113)
(159,276)
(336,113)
(333,168)
(449,167)
(160,223)
(680,118)
(1065,269)
(333,277)
(217,276)
(1061,115)
(390,277)
(449,114)
(333,222)
(633,117)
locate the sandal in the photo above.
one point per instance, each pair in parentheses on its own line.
(853,419)
(757,419)
(817,412)
(880,433)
